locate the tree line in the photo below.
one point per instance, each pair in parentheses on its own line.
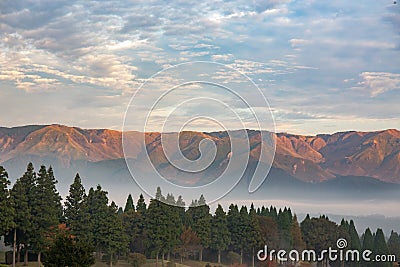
(34,218)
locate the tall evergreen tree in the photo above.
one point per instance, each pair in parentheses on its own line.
(200,221)
(284,220)
(6,208)
(243,230)
(115,240)
(367,244)
(22,223)
(394,245)
(7,211)
(355,243)
(297,237)
(254,233)
(132,222)
(159,195)
(23,194)
(141,205)
(139,244)
(156,227)
(46,209)
(74,208)
(129,204)
(98,212)
(233,226)
(268,231)
(55,199)
(220,236)
(380,247)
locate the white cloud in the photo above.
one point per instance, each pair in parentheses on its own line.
(379,82)
(295,43)
(299,51)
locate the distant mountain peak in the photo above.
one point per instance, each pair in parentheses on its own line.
(308,158)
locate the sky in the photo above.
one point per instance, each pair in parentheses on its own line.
(323,66)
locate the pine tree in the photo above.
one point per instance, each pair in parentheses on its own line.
(98,212)
(139,244)
(200,221)
(380,247)
(156,227)
(46,209)
(159,195)
(74,208)
(129,204)
(243,230)
(233,226)
(298,242)
(141,205)
(115,241)
(367,244)
(253,237)
(131,222)
(355,243)
(55,196)
(394,245)
(6,208)
(175,227)
(170,199)
(220,236)
(22,222)
(23,197)
(284,220)
(268,231)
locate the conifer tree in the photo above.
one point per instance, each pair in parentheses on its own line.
(220,236)
(367,244)
(253,238)
(380,247)
(394,245)
(141,205)
(284,220)
(6,208)
(156,227)
(23,197)
(139,244)
(74,208)
(115,241)
(98,212)
(355,243)
(46,209)
(129,204)
(243,230)
(233,226)
(200,221)
(298,242)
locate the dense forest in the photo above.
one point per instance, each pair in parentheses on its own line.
(34,218)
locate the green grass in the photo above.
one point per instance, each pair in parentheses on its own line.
(30,264)
(119,264)
(152,263)
(192,263)
(2,256)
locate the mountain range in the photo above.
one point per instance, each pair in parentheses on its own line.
(345,173)
(311,159)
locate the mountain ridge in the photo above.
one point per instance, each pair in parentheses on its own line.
(309,158)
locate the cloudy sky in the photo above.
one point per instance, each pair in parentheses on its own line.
(324,66)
